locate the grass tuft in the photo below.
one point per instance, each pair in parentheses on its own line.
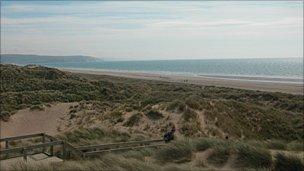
(252,157)
(154,114)
(288,163)
(133,120)
(177,153)
(37,107)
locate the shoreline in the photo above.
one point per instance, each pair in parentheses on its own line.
(282,85)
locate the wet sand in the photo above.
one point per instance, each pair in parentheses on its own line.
(265,84)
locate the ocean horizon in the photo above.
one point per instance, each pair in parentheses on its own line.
(276,69)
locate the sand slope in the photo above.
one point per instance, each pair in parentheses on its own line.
(30,122)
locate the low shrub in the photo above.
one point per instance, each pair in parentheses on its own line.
(134,119)
(176,105)
(257,143)
(128,109)
(154,114)
(288,163)
(219,156)
(89,134)
(4,116)
(252,157)
(190,115)
(37,107)
(138,154)
(192,103)
(295,146)
(94,134)
(276,144)
(115,117)
(190,128)
(203,144)
(177,153)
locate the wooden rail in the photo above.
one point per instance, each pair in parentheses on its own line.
(71,152)
(95,153)
(47,141)
(21,137)
(30,147)
(67,150)
(113,145)
(25,150)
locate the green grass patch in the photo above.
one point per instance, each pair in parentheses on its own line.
(219,156)
(203,144)
(178,153)
(288,163)
(85,135)
(276,144)
(252,157)
(177,106)
(154,114)
(295,146)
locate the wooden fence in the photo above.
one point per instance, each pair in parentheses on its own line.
(66,150)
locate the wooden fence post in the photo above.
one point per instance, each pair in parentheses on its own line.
(6,146)
(63,151)
(43,141)
(52,149)
(24,154)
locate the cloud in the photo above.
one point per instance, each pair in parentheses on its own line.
(152,29)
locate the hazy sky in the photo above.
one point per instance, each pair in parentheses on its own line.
(154,30)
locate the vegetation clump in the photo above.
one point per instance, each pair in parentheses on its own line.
(284,163)
(37,107)
(115,117)
(85,135)
(154,114)
(219,156)
(191,124)
(133,120)
(203,144)
(189,115)
(252,157)
(176,106)
(193,103)
(295,146)
(4,115)
(177,153)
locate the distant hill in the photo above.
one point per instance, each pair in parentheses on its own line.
(38,59)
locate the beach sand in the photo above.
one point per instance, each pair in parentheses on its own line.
(233,82)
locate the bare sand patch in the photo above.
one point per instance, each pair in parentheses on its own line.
(28,121)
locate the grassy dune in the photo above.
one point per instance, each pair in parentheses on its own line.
(240,113)
(264,130)
(182,154)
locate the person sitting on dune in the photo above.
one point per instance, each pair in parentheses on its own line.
(169,135)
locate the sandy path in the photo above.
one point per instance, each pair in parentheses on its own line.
(31,122)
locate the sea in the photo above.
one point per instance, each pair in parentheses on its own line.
(279,69)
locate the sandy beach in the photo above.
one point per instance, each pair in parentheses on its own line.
(264,84)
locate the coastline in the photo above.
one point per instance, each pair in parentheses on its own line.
(264,84)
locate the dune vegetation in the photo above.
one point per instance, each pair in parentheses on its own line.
(217,127)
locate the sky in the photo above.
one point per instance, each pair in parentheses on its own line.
(150,30)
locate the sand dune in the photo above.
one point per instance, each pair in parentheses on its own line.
(30,122)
